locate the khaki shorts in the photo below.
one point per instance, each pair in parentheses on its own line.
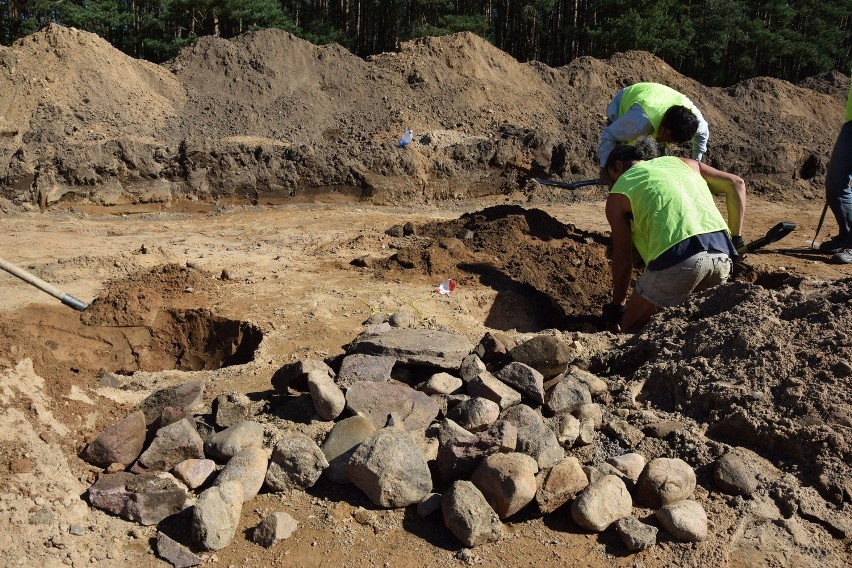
(672,286)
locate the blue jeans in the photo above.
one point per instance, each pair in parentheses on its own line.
(838,194)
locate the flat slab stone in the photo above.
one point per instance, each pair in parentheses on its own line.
(427,347)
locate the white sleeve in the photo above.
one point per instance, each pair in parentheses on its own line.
(629,126)
(699,141)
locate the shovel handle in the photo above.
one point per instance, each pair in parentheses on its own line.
(29,278)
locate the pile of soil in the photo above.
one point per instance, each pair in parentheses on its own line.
(268,116)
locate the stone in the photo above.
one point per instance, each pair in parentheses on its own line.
(216,516)
(248,468)
(567,396)
(566,428)
(475,414)
(539,442)
(631,465)
(175,553)
(486,385)
(389,468)
(184,396)
(471,367)
(171,445)
(327,397)
(507,481)
(378,400)
(547,354)
(341,442)
(294,376)
(524,378)
(297,462)
(734,476)
(490,349)
(521,415)
(359,367)
(635,534)
(664,481)
(441,383)
(120,443)
(194,472)
(685,520)
(557,485)
(229,442)
(232,408)
(623,430)
(429,504)
(274,528)
(592,412)
(468,515)
(427,347)
(401,318)
(596,385)
(145,498)
(601,503)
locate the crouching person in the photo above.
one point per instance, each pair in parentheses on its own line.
(664,207)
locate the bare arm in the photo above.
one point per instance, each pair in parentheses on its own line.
(618,214)
(732,186)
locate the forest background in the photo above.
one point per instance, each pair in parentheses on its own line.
(716,42)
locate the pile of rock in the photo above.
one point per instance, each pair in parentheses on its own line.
(499,427)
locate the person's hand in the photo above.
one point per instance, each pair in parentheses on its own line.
(612,313)
(738,242)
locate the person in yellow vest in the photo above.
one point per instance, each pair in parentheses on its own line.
(664,207)
(838,190)
(652,109)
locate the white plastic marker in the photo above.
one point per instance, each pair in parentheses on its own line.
(446,287)
(406,139)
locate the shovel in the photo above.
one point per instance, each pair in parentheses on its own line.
(774,234)
(66,299)
(566,184)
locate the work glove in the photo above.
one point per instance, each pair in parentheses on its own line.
(612,313)
(738,242)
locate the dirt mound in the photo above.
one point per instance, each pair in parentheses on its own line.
(766,369)
(267,115)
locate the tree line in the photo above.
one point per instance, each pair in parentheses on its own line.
(717,42)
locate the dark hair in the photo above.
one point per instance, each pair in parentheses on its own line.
(645,148)
(681,122)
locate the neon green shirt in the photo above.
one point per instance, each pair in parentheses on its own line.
(670,202)
(655,100)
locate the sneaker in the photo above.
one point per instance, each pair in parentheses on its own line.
(842,257)
(834,245)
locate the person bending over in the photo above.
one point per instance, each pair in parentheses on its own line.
(838,190)
(664,207)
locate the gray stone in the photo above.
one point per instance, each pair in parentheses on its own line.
(232,408)
(194,472)
(507,481)
(294,376)
(685,520)
(441,383)
(171,445)
(592,412)
(274,528)
(622,430)
(328,399)
(296,463)
(378,400)
(248,468)
(524,378)
(471,367)
(120,443)
(341,443)
(664,481)
(557,485)
(595,384)
(475,414)
(359,367)
(547,354)
(663,429)
(567,396)
(401,318)
(566,428)
(389,468)
(488,386)
(426,347)
(539,442)
(521,415)
(490,349)
(216,516)
(146,498)
(601,503)
(230,441)
(734,476)
(631,465)
(468,515)
(635,534)
(175,553)
(587,432)
(429,504)
(183,396)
